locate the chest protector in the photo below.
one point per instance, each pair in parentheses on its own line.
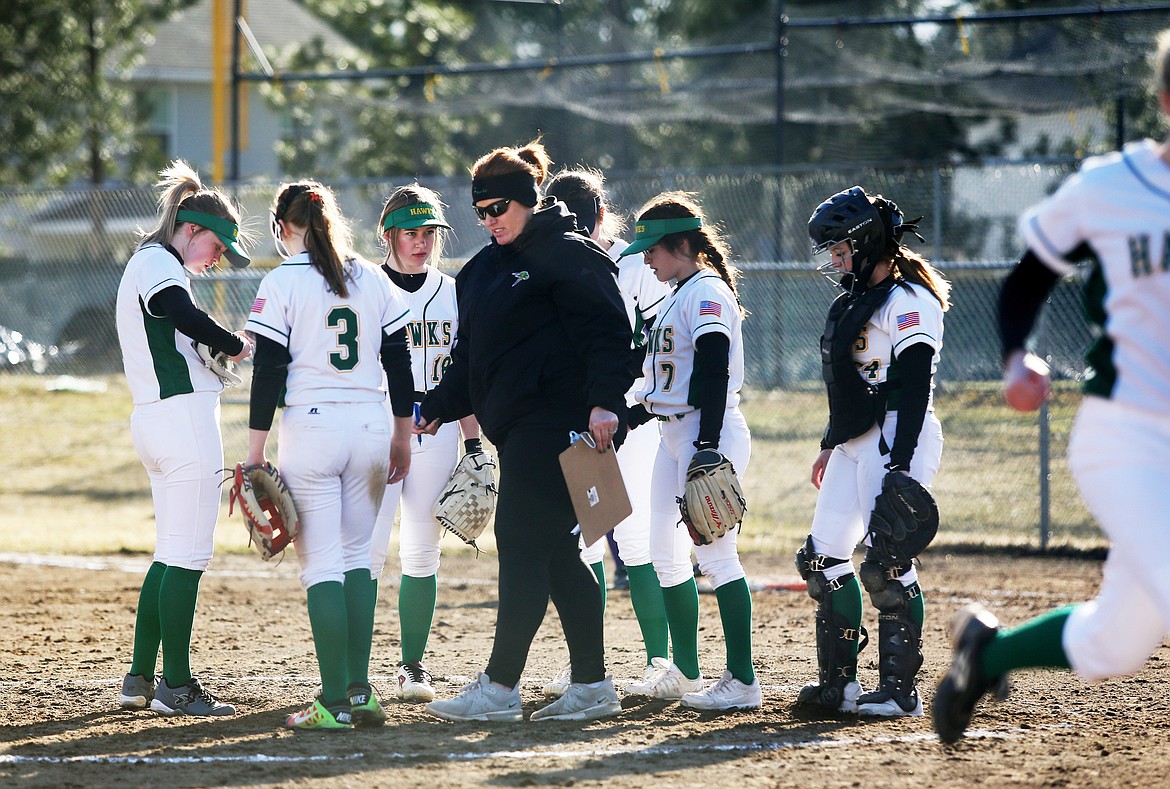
(855,404)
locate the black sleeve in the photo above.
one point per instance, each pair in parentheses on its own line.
(176,304)
(712,352)
(914,395)
(270,371)
(638,416)
(1023,293)
(396,363)
(450,399)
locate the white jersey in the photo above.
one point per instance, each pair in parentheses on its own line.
(907,318)
(434,319)
(642,293)
(700,305)
(160,362)
(335,342)
(1118,205)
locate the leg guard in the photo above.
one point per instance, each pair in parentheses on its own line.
(899,639)
(837,637)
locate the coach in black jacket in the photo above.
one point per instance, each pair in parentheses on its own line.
(543,348)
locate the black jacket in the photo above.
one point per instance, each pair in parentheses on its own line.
(543,333)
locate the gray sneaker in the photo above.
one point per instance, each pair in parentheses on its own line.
(137,692)
(480,701)
(187,699)
(582,703)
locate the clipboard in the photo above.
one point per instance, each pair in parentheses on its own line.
(595,486)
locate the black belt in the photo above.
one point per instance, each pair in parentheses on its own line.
(675,417)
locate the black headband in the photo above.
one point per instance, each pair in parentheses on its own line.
(518,185)
(587,210)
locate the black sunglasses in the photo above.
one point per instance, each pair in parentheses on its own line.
(498,208)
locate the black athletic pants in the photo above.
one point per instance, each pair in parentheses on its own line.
(540,560)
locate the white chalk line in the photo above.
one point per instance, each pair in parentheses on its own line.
(650,751)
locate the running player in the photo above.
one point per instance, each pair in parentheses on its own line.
(1116,213)
(411,223)
(879,351)
(175,427)
(693,373)
(583,191)
(323,318)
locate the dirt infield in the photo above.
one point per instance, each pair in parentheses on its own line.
(68,633)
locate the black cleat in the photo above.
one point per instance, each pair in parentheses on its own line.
(954,701)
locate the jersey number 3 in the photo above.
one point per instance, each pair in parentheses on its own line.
(345,321)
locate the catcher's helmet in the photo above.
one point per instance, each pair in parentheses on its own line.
(868,224)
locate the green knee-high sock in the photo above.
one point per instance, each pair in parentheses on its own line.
(178,592)
(735,612)
(682,616)
(147,630)
(917,604)
(848,603)
(649,608)
(416,613)
(1035,644)
(330,623)
(598,569)
(361,596)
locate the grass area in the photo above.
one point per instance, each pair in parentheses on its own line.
(74,483)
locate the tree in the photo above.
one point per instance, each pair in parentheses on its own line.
(56,56)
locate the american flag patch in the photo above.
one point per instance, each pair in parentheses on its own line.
(710,308)
(258,305)
(907,320)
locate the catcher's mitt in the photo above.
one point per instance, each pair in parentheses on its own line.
(219,363)
(713,503)
(468,502)
(267,506)
(904,520)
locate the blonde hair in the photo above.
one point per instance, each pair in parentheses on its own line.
(1162,60)
(401,197)
(531,158)
(182,190)
(707,243)
(906,265)
(328,241)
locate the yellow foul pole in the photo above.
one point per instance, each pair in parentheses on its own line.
(220,38)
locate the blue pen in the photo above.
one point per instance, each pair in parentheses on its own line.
(417,420)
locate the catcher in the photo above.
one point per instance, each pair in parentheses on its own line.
(882,444)
(695,350)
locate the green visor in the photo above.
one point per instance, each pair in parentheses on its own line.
(412,216)
(225,229)
(648,232)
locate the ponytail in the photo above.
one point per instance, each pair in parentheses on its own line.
(311,205)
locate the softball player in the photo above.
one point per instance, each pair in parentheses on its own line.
(539,297)
(1116,213)
(175,427)
(411,222)
(583,193)
(323,318)
(693,373)
(879,352)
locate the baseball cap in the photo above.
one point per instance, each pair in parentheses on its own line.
(414,215)
(225,229)
(648,232)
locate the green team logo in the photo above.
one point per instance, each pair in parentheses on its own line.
(520,276)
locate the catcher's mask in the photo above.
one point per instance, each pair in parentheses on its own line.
(873,227)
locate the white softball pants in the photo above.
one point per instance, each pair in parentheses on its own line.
(853,479)
(1118,457)
(670,543)
(335,458)
(179,444)
(431,462)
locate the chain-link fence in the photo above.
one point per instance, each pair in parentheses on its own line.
(62,255)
